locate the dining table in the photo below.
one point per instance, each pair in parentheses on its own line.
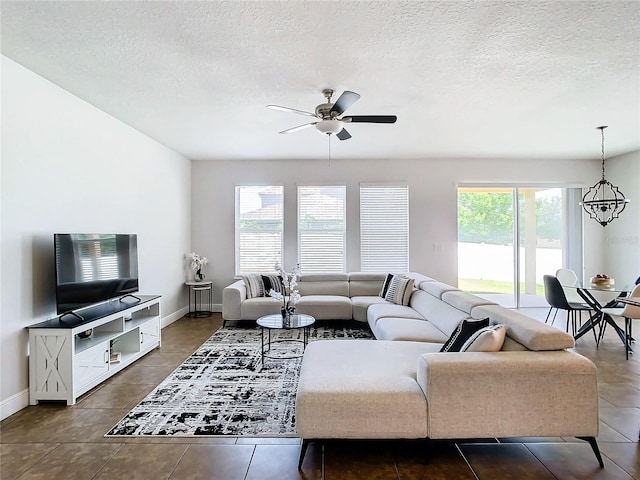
(598,297)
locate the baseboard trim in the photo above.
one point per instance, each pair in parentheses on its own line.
(177,315)
(14,404)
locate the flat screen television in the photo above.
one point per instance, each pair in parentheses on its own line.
(94,268)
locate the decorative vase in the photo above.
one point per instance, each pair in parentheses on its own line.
(198,276)
(287,313)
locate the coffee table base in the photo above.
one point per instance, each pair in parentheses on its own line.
(266,347)
(275,322)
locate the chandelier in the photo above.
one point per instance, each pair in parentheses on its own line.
(604,201)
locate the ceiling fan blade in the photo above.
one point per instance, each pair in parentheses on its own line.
(299,127)
(343,134)
(292,110)
(371,119)
(344,101)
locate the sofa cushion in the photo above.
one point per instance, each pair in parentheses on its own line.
(254,284)
(325,307)
(361,304)
(464,301)
(324,284)
(409,329)
(527,331)
(445,317)
(465,329)
(254,308)
(436,288)
(510,345)
(488,339)
(400,290)
(381,310)
(418,278)
(365,284)
(361,389)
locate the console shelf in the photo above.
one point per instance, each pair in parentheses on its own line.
(63,365)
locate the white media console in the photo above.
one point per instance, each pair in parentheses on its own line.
(63,365)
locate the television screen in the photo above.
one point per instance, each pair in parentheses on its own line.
(93,268)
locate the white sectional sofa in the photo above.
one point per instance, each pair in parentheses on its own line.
(328,296)
(401,386)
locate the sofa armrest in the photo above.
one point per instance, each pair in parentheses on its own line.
(232,296)
(509,394)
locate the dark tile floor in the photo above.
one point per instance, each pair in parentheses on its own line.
(53,441)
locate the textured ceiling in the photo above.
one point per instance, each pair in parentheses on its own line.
(466,79)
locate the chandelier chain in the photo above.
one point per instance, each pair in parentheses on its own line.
(602,131)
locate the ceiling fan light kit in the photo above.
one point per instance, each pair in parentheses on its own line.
(327,127)
(328,114)
(604,202)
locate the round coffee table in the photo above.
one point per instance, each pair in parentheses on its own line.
(276,322)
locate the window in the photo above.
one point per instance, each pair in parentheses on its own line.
(509,236)
(321,229)
(384,228)
(259,224)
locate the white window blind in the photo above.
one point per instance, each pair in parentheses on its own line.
(384,228)
(321,229)
(259,225)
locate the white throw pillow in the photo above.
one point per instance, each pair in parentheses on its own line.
(488,339)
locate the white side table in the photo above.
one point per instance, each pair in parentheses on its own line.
(196,290)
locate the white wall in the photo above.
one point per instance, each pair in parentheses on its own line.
(69,167)
(620,245)
(433,203)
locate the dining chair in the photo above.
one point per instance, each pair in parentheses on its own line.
(567,276)
(629,313)
(556,298)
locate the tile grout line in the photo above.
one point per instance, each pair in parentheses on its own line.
(541,462)
(108,460)
(178,462)
(253,454)
(466,461)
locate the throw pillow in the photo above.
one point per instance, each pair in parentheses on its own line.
(272,282)
(400,290)
(254,284)
(462,333)
(488,339)
(385,285)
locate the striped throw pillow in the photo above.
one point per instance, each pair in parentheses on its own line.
(254,284)
(385,285)
(465,329)
(400,290)
(272,282)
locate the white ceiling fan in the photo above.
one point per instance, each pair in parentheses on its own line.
(328,114)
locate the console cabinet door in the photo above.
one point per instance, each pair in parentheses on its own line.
(149,334)
(91,364)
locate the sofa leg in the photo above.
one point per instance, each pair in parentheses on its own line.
(427,450)
(303,452)
(594,446)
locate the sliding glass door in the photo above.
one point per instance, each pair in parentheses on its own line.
(508,238)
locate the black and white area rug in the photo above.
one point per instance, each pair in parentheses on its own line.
(223,388)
